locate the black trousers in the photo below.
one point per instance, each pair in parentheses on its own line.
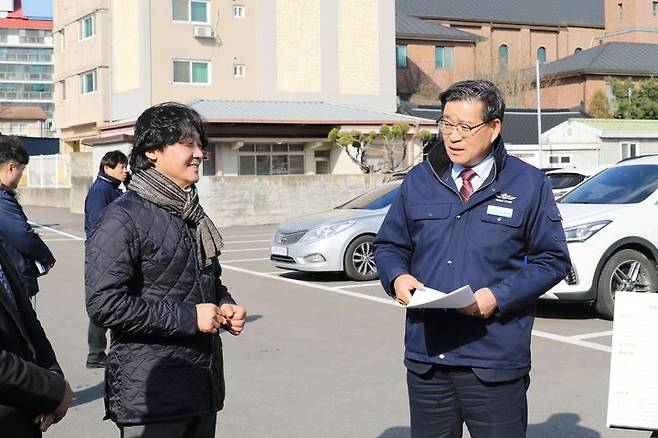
(194,427)
(97,342)
(444,398)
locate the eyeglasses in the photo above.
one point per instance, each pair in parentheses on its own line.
(463,129)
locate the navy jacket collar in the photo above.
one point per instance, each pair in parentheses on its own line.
(110,179)
(440,162)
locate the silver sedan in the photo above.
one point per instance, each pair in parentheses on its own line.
(335,240)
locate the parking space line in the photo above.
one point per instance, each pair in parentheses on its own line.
(61,240)
(246,249)
(349,286)
(572,340)
(246,235)
(55,231)
(278,272)
(388,301)
(593,335)
(242,260)
(246,241)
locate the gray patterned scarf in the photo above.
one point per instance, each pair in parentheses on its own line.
(157,188)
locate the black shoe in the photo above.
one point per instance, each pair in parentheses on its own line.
(97,362)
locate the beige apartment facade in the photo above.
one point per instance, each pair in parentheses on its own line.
(140,53)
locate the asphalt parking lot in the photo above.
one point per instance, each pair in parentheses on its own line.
(321,356)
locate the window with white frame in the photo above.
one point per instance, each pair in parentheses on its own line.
(238,11)
(444,57)
(87,27)
(191,72)
(559,160)
(193,11)
(322,161)
(88,82)
(629,150)
(271,159)
(62,87)
(18,129)
(239,70)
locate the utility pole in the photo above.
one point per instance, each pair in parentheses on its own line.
(538,85)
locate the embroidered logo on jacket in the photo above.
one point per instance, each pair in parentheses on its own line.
(505,197)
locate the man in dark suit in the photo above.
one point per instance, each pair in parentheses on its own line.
(28,253)
(33,392)
(112,171)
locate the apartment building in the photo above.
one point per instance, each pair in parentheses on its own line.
(244,63)
(26,67)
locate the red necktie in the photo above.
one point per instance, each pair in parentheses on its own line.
(467,188)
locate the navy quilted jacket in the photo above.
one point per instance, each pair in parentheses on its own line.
(143,281)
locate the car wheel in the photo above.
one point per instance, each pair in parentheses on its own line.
(360,259)
(626,271)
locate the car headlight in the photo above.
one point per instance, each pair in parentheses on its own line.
(326,231)
(583,232)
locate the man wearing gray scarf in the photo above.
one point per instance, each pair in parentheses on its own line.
(152,276)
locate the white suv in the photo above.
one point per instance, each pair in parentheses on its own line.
(611,225)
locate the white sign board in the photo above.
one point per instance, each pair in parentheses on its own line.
(633,392)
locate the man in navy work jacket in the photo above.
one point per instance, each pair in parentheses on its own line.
(17,237)
(112,171)
(471,215)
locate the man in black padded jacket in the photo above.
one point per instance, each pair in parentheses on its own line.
(152,276)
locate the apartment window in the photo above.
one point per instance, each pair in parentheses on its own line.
(654,8)
(401,55)
(444,57)
(503,58)
(195,11)
(62,40)
(191,72)
(87,27)
(239,70)
(238,11)
(541,55)
(17,129)
(578,50)
(628,150)
(271,159)
(620,10)
(559,160)
(88,82)
(62,86)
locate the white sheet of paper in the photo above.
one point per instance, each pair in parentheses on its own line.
(633,389)
(428,298)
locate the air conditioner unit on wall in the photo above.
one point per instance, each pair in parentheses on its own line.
(204,32)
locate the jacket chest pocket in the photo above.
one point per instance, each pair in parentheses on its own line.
(501,227)
(428,220)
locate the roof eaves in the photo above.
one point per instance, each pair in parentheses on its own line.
(506,22)
(429,37)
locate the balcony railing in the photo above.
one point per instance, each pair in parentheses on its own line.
(26,95)
(12,76)
(21,57)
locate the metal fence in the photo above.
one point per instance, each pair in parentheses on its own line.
(48,171)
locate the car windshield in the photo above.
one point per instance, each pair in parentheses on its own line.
(374,199)
(617,185)
(564,180)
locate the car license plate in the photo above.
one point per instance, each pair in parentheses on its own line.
(279,250)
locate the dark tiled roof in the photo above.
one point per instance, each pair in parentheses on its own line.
(519,125)
(410,27)
(636,59)
(586,13)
